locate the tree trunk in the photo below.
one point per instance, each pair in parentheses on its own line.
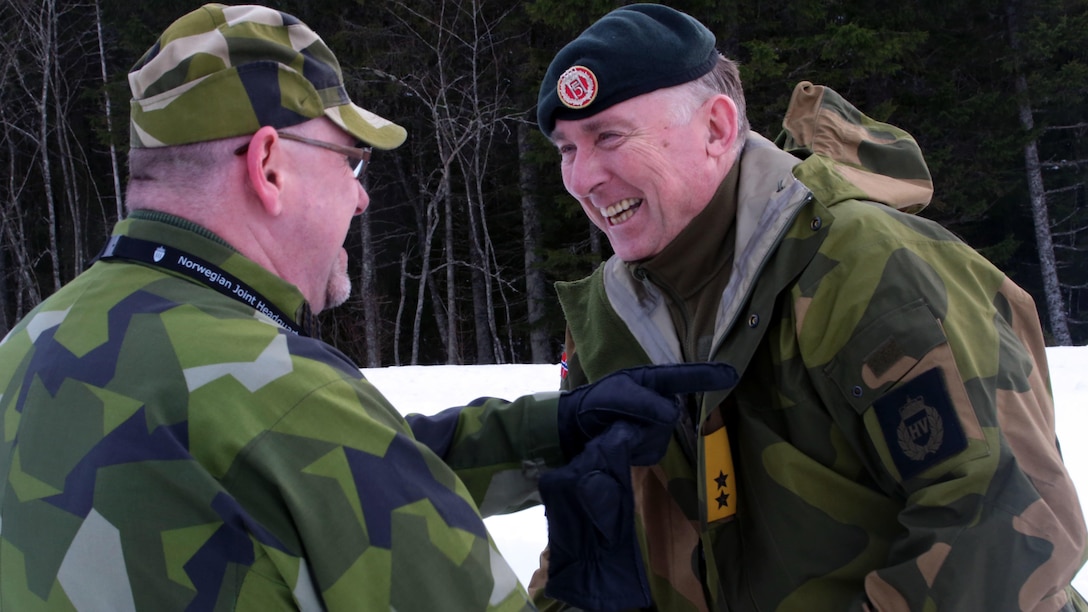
(118,198)
(27,294)
(66,161)
(368,291)
(45,29)
(482,313)
(400,307)
(536,287)
(8,202)
(430,224)
(453,346)
(1044,244)
(489,270)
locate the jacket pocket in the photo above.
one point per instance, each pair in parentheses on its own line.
(899,375)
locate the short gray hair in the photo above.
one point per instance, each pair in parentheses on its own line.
(724,78)
(191,166)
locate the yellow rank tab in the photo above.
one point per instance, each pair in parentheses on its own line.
(721,486)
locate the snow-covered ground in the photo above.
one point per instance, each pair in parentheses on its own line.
(521,536)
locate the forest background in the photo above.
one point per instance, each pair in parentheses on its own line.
(469,223)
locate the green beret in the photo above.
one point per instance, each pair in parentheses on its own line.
(629,52)
(223,71)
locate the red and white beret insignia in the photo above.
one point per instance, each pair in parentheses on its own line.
(577,87)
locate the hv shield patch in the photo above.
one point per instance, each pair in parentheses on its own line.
(920,424)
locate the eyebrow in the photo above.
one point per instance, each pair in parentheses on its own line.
(593,126)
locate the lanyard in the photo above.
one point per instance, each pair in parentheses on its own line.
(176,260)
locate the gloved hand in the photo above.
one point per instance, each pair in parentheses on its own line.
(594,562)
(645,396)
(623,419)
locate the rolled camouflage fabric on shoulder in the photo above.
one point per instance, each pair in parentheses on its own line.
(223,71)
(877,160)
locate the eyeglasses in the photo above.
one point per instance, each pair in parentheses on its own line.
(358,158)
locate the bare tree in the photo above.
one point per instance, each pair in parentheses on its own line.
(15,240)
(7,192)
(66,159)
(459,92)
(39,20)
(368,288)
(428,220)
(400,307)
(485,98)
(118,197)
(1068,204)
(48,76)
(1040,214)
(21,145)
(536,288)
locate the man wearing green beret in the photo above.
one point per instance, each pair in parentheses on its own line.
(174,434)
(890,444)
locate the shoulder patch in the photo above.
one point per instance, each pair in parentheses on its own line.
(920,424)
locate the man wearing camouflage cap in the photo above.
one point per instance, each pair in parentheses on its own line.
(174,435)
(890,444)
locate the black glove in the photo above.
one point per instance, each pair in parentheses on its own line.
(645,396)
(623,419)
(594,561)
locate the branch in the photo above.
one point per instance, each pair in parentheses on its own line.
(1074,126)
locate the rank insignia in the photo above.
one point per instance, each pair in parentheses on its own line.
(721,486)
(920,424)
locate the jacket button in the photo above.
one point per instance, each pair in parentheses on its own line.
(857,391)
(753,320)
(816,223)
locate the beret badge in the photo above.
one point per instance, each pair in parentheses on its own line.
(577,87)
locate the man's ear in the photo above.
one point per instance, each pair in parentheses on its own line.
(264,169)
(722,125)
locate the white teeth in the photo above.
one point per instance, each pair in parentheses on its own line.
(621,211)
(620,218)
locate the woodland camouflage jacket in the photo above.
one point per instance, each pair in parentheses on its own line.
(891,444)
(165,447)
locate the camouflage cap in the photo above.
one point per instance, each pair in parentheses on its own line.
(223,71)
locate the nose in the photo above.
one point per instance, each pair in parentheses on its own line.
(583,173)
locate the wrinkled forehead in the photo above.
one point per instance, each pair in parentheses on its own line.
(630,115)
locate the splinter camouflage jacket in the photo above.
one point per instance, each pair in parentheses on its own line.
(165,447)
(891,443)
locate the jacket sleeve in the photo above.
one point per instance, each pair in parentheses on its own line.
(937,361)
(497,448)
(572,376)
(374,509)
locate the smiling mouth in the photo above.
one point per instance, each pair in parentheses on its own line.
(621,211)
